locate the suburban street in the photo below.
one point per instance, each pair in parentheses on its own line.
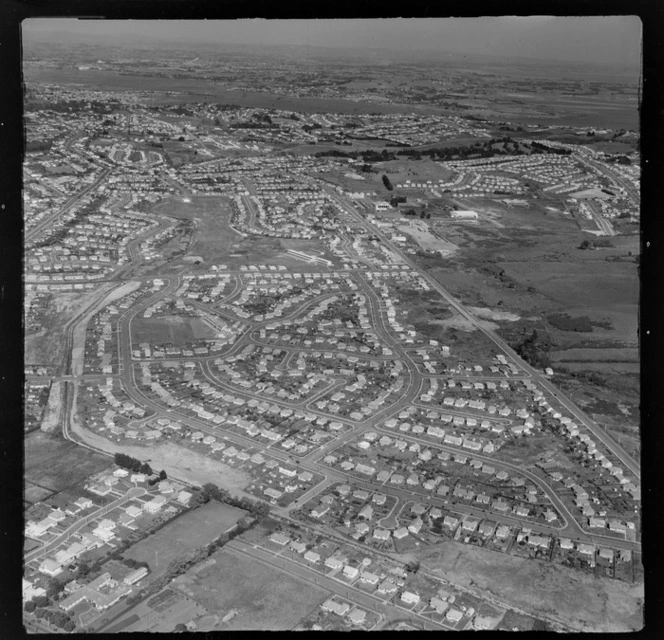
(50,219)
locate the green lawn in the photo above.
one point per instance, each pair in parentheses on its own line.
(191,530)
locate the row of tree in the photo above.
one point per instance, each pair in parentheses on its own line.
(210,491)
(57,618)
(134,464)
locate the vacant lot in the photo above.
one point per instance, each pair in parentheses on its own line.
(575,598)
(191,530)
(248,594)
(47,347)
(170,329)
(180,462)
(54,463)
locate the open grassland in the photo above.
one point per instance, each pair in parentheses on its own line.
(191,530)
(249,594)
(579,600)
(34,493)
(213,236)
(54,463)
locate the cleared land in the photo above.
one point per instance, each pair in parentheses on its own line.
(54,463)
(51,419)
(180,462)
(541,587)
(48,346)
(191,530)
(249,594)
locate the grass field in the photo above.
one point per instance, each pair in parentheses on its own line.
(541,587)
(170,329)
(596,355)
(54,463)
(33,493)
(191,530)
(216,242)
(213,237)
(249,594)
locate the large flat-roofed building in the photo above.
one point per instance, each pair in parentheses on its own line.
(464,215)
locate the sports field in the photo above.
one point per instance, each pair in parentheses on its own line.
(246,594)
(191,530)
(170,329)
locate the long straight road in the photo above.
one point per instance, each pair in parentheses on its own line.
(567,403)
(312,461)
(367,601)
(50,219)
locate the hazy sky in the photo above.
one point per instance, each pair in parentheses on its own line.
(611,40)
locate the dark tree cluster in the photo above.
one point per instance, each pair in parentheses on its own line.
(534,349)
(133,464)
(211,491)
(547,149)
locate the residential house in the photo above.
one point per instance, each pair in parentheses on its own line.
(410,598)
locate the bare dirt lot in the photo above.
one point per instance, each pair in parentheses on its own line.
(576,599)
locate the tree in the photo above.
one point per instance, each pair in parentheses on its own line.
(179,627)
(162,475)
(387,183)
(54,588)
(146,469)
(69,626)
(413,566)
(585,245)
(212,490)
(30,606)
(41,601)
